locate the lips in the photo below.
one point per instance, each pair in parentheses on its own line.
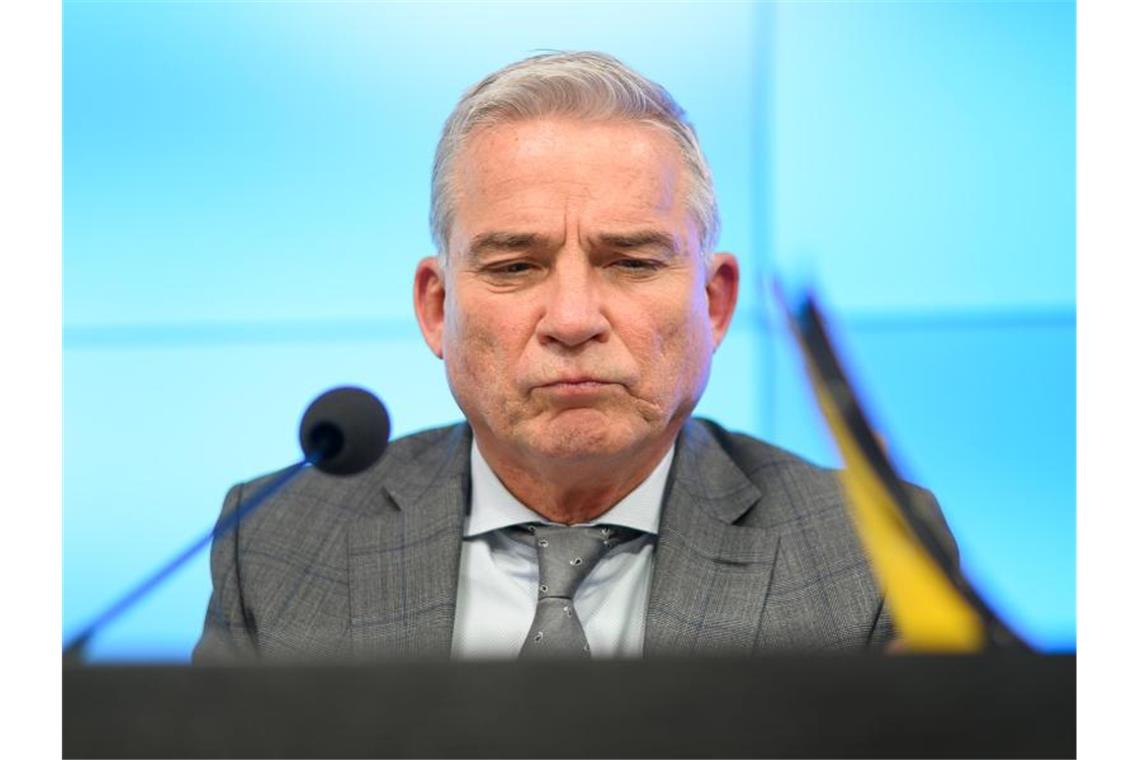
(576,381)
(576,390)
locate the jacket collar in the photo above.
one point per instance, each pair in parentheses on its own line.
(711,575)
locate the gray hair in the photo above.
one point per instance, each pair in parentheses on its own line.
(582,84)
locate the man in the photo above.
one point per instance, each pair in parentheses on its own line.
(576,301)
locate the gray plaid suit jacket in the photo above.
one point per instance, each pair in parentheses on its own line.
(755,554)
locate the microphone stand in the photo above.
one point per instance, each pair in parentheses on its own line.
(75,649)
(343,432)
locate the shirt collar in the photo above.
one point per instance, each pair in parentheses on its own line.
(494,507)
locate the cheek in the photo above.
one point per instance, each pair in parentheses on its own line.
(478,338)
(676,345)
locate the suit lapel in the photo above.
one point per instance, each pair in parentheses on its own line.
(711,577)
(403,556)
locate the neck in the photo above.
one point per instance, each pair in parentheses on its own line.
(577,492)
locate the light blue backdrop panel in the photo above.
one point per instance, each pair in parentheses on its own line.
(245,198)
(924,154)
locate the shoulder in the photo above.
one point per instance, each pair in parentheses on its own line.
(796,491)
(428,441)
(790,486)
(756,458)
(410,464)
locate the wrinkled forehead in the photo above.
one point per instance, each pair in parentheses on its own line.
(537,172)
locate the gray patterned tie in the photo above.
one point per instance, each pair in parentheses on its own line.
(566,555)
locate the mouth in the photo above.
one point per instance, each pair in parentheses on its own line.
(577,386)
(572,381)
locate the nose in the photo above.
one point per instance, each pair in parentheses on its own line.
(573,313)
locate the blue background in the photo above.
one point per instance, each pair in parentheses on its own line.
(246,196)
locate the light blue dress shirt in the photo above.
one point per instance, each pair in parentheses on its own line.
(498,575)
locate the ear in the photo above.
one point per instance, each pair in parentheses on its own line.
(721,287)
(429,292)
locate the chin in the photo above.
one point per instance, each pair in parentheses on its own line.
(582,434)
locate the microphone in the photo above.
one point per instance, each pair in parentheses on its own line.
(343,432)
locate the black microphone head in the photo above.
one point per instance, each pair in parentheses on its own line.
(345,431)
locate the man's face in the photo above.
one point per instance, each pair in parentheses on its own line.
(575,316)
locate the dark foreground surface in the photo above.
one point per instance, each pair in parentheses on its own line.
(907,706)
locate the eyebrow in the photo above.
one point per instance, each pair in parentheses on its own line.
(490,242)
(641,239)
(498,241)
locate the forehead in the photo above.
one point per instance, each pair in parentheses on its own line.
(536,172)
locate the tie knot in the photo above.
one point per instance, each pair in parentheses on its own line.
(567,554)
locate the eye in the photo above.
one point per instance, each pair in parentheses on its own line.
(637,265)
(511,268)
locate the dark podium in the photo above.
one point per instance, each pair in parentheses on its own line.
(803,706)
